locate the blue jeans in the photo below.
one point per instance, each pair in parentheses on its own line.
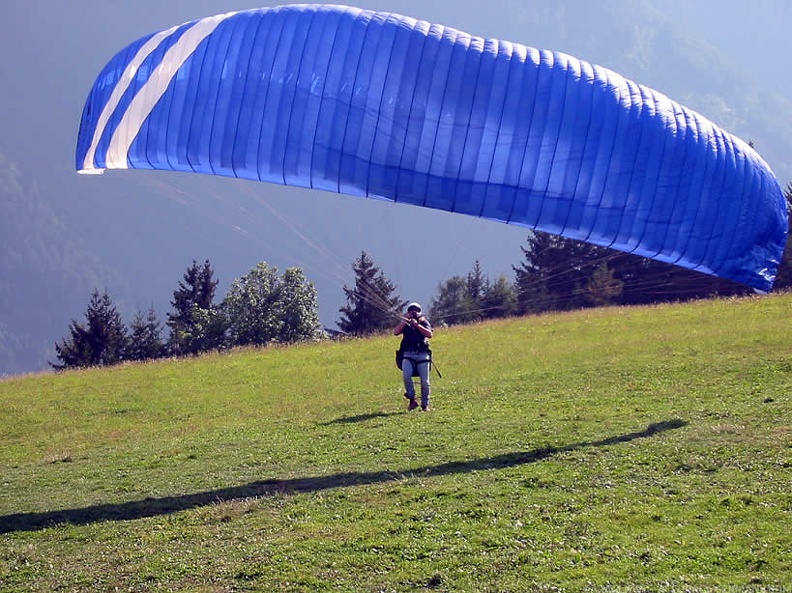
(419,360)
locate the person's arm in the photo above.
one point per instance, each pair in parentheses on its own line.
(400,328)
(424,328)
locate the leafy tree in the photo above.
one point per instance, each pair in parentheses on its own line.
(209,329)
(262,307)
(195,293)
(299,308)
(145,339)
(251,306)
(371,305)
(100,341)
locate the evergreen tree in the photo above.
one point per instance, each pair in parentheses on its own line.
(101,341)
(649,281)
(453,303)
(195,291)
(476,284)
(459,300)
(555,272)
(472,298)
(145,339)
(499,299)
(562,274)
(603,288)
(371,305)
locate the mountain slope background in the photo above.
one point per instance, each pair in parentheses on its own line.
(133,234)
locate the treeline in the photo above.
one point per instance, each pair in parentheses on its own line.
(260,308)
(263,307)
(559,274)
(556,274)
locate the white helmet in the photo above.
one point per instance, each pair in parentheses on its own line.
(412,306)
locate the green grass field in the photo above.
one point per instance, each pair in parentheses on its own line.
(636,449)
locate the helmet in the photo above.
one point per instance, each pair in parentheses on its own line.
(414,306)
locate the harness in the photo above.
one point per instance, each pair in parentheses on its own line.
(414,341)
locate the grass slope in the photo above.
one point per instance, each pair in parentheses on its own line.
(640,449)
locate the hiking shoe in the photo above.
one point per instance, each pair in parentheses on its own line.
(412,405)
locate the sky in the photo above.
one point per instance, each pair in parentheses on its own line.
(53,49)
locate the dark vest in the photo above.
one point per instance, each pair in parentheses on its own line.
(413,340)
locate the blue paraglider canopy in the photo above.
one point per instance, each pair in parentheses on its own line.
(380,105)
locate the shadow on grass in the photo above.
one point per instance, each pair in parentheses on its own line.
(360,418)
(152,507)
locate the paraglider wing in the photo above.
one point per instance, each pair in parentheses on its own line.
(384,106)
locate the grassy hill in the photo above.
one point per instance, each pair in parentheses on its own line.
(640,449)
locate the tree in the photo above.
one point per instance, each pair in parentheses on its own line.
(262,307)
(371,305)
(196,291)
(472,298)
(251,306)
(453,304)
(563,274)
(145,339)
(459,300)
(101,341)
(476,285)
(209,330)
(649,281)
(555,272)
(499,299)
(603,288)
(299,309)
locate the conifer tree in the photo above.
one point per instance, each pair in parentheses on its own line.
(453,303)
(100,341)
(476,285)
(472,298)
(555,273)
(603,288)
(145,338)
(371,305)
(500,299)
(195,291)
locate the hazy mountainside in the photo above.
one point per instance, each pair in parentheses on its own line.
(45,271)
(134,234)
